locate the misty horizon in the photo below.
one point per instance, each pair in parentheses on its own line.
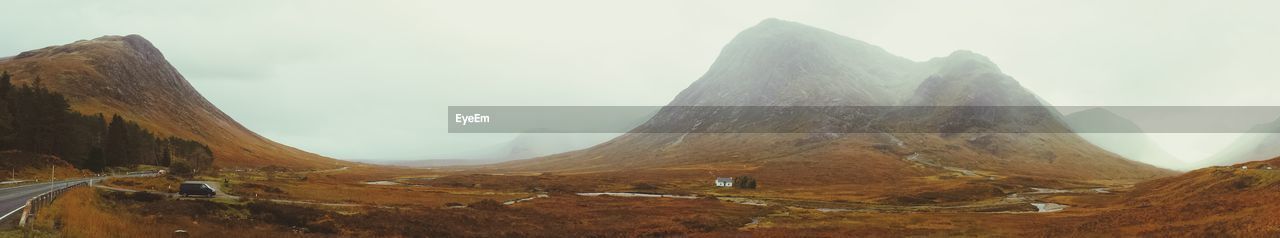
(574,118)
(377,96)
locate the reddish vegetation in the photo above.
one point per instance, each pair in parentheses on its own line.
(1215,201)
(569,215)
(1209,202)
(161,184)
(347,186)
(855,158)
(83,213)
(848,170)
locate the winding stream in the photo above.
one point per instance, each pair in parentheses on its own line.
(1018,198)
(642,195)
(1029,198)
(383,182)
(1049,207)
(513,202)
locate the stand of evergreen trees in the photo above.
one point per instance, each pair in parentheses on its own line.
(746,182)
(37,120)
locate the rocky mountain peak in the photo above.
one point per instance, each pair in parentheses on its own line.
(140,45)
(965,78)
(128,69)
(781,63)
(964,61)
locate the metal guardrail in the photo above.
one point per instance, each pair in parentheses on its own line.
(35,204)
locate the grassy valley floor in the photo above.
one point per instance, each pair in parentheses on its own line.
(371,201)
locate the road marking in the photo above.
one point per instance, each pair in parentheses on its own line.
(6,215)
(52,185)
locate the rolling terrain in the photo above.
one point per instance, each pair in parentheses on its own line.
(1219,201)
(128,76)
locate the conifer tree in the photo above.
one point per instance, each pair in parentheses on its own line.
(166,159)
(6,117)
(96,162)
(115,143)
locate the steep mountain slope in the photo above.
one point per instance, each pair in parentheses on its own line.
(1135,146)
(780,63)
(128,76)
(1262,142)
(806,67)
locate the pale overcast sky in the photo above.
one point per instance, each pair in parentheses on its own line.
(371,79)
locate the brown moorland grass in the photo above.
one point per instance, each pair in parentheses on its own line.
(844,171)
(83,212)
(811,182)
(86,213)
(562,216)
(863,158)
(342,186)
(347,186)
(79,208)
(1209,202)
(389,195)
(811,223)
(166,184)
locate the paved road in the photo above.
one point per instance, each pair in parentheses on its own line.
(12,199)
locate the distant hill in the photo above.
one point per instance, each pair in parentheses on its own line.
(1135,146)
(781,63)
(1261,142)
(523,146)
(128,76)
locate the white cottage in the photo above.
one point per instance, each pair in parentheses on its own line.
(724,182)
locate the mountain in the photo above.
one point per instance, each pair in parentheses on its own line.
(779,63)
(128,76)
(1135,146)
(1261,142)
